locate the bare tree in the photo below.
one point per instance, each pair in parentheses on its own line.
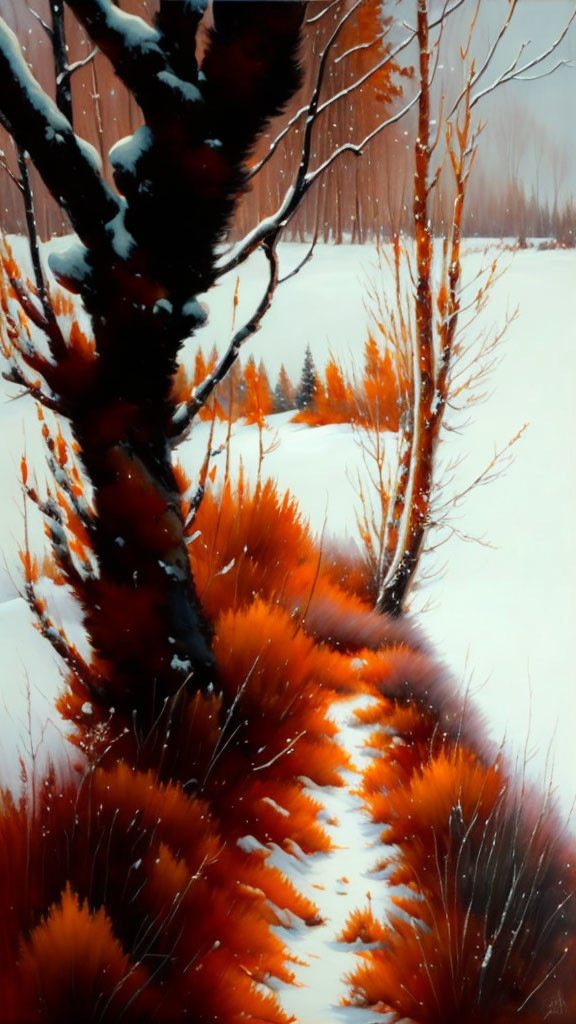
(427,333)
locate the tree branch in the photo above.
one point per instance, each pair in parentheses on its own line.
(357,148)
(14,375)
(183,419)
(311,109)
(513,72)
(58,40)
(178,25)
(132,46)
(13,177)
(33,237)
(38,127)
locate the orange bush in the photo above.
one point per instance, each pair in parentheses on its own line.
(373,399)
(151,860)
(258,402)
(138,886)
(333,402)
(475,868)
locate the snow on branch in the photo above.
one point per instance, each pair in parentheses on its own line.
(127,35)
(357,148)
(136,51)
(71,69)
(322,14)
(313,109)
(40,129)
(310,108)
(271,227)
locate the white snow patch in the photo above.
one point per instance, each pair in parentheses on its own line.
(126,152)
(249,844)
(180,663)
(186,90)
(136,33)
(123,243)
(338,883)
(71,261)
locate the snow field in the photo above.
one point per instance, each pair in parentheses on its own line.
(501,616)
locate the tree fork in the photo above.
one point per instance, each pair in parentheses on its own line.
(142,258)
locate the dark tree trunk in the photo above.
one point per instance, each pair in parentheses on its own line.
(139,265)
(59,48)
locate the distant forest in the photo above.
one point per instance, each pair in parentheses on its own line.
(360,198)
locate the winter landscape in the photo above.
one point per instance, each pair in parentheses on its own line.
(285,658)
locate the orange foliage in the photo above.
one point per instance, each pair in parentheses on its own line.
(174,827)
(72,963)
(184,386)
(363,926)
(478,872)
(380,392)
(276,675)
(366,28)
(333,402)
(245,749)
(372,400)
(246,543)
(73,371)
(164,862)
(257,402)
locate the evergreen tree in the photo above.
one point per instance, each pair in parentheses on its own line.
(284,394)
(308,386)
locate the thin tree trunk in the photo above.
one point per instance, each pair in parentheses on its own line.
(420,463)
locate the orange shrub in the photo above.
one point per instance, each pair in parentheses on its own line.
(373,399)
(258,402)
(477,868)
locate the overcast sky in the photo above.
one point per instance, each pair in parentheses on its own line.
(530,123)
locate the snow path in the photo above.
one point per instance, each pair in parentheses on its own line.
(338,882)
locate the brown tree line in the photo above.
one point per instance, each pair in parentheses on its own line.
(105,111)
(358,198)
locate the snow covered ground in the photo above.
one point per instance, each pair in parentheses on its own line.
(502,617)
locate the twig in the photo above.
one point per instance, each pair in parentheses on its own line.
(183,417)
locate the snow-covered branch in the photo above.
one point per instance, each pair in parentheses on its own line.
(27,193)
(270,227)
(310,109)
(71,69)
(137,52)
(357,148)
(39,128)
